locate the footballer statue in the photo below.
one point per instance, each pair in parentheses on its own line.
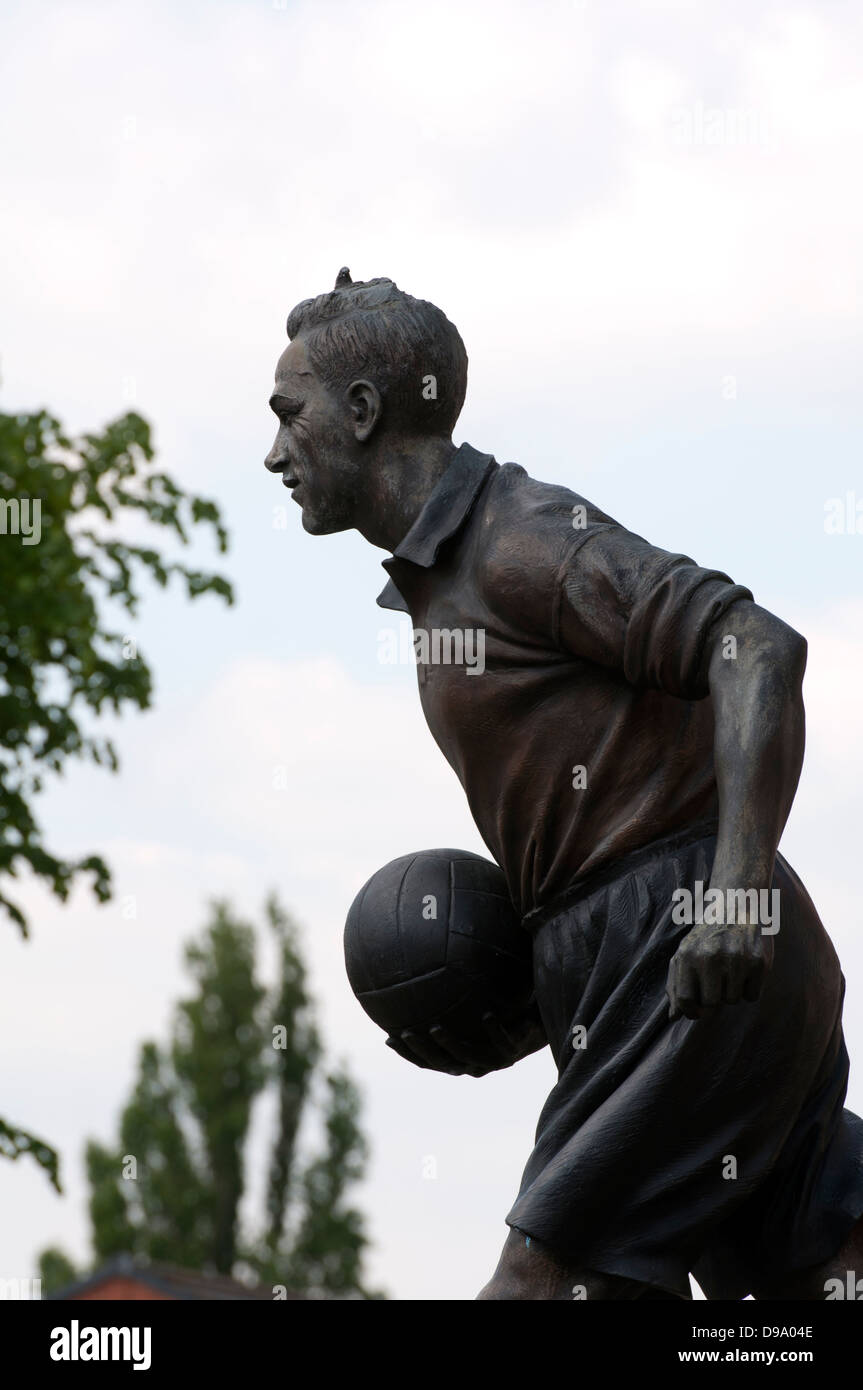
(630,745)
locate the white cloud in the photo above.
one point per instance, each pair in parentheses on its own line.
(177,193)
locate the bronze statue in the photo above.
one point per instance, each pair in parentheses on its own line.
(630,754)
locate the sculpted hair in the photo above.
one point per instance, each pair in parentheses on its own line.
(373,329)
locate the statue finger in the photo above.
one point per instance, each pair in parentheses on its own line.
(712,979)
(452,1046)
(734,982)
(687,991)
(499,1038)
(672,988)
(403,1051)
(432,1054)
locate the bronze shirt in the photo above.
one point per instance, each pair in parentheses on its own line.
(594,659)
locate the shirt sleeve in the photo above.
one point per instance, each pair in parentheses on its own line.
(628,605)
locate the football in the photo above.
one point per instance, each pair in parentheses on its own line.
(434,938)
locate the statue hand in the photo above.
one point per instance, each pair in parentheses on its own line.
(436,1049)
(716,965)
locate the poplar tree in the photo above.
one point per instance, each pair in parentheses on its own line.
(170,1189)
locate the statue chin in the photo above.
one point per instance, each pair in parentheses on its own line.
(322,525)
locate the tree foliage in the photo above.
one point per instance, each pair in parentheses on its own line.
(171,1189)
(66,566)
(58,659)
(56,1269)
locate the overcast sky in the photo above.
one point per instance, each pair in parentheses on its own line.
(646,220)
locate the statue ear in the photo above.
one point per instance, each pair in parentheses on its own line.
(366,406)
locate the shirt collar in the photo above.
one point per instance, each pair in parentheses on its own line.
(444,513)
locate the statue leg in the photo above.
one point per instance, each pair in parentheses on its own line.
(812,1285)
(528,1269)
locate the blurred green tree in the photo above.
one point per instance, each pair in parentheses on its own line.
(170,1190)
(56,1269)
(63,566)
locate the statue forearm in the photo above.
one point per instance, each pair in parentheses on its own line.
(759,740)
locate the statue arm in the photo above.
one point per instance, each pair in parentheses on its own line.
(755,665)
(760,735)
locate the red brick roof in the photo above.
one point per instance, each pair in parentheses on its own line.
(126,1279)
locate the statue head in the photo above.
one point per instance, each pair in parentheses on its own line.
(368,371)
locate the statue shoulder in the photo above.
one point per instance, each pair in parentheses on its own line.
(528,530)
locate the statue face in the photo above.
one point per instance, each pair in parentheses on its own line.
(314,449)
